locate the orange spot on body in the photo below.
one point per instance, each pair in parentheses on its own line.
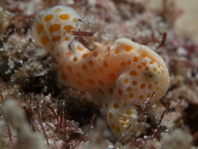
(128,89)
(101,83)
(54,28)
(116,106)
(131,95)
(142,86)
(67,38)
(91,63)
(128,112)
(91,82)
(122,64)
(75,59)
(148,95)
(111,76)
(68,28)
(44,40)
(149,86)
(128,48)
(144,64)
(135,59)
(84,67)
(143,55)
(139,67)
(133,73)
(124,122)
(48,17)
(95,53)
(64,16)
(39,28)
(156,83)
(117,51)
(69,68)
(129,62)
(141,97)
(126,80)
(134,83)
(78,75)
(105,64)
(110,115)
(147,68)
(84,55)
(151,62)
(56,38)
(79,48)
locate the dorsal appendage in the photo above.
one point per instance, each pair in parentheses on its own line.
(119,76)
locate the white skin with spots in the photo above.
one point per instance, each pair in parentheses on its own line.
(120,76)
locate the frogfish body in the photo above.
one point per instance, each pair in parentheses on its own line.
(120,76)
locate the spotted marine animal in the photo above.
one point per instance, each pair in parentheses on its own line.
(120,76)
